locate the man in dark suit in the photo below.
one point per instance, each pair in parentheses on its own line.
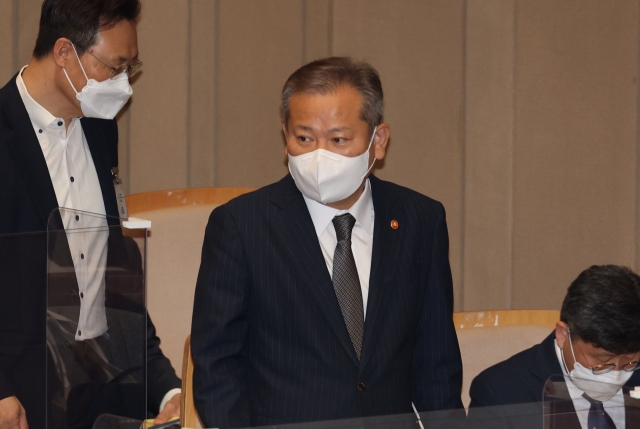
(596,344)
(328,294)
(58,148)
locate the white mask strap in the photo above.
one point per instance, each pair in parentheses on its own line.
(367,152)
(564,362)
(81,68)
(72,87)
(572,352)
(372,137)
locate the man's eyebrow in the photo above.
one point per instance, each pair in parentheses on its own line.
(303,127)
(339,129)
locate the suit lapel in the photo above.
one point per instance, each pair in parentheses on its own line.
(28,155)
(293,226)
(386,250)
(99,146)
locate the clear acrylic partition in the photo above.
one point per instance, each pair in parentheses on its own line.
(565,406)
(514,416)
(96,322)
(110,421)
(519,416)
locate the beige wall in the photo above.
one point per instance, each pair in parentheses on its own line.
(520,116)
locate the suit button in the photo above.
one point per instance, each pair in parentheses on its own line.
(361,386)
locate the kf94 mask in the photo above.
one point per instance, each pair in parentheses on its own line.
(601,387)
(326,176)
(102,100)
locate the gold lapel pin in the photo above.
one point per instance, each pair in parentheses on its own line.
(394,224)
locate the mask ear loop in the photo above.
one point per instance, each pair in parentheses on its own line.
(367,151)
(79,62)
(564,361)
(81,68)
(572,352)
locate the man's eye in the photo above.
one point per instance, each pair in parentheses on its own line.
(304,139)
(338,140)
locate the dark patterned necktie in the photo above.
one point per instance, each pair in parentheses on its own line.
(598,417)
(346,281)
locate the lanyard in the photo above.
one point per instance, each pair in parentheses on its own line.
(122,203)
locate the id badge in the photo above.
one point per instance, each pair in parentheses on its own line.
(122,202)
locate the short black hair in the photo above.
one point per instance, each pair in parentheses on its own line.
(602,308)
(326,75)
(80,21)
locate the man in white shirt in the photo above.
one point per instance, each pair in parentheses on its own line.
(58,148)
(596,346)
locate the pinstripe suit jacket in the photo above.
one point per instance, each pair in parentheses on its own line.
(269,342)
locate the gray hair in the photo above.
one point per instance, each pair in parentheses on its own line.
(325,76)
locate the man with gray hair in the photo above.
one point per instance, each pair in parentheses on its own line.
(326,295)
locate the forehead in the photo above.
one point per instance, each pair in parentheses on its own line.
(343,104)
(119,42)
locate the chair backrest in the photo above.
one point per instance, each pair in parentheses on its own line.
(155,200)
(174,244)
(188,414)
(489,337)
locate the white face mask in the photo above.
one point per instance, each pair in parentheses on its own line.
(601,387)
(102,100)
(326,176)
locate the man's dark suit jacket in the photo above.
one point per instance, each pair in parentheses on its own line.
(269,341)
(27,198)
(521,380)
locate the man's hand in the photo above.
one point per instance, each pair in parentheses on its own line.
(13,416)
(171,409)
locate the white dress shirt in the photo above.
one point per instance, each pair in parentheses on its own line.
(361,237)
(76,185)
(614,407)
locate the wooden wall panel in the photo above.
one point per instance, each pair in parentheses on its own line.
(575,144)
(489,130)
(7,26)
(202,112)
(28,24)
(318,29)
(159,106)
(417,49)
(637,138)
(260,44)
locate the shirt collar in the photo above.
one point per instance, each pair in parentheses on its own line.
(362,211)
(40,117)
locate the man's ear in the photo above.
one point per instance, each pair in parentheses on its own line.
(380,140)
(562,333)
(63,52)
